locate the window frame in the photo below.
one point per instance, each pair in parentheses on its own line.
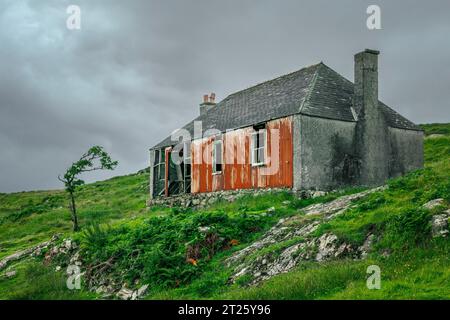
(254,148)
(217,141)
(187,158)
(158,163)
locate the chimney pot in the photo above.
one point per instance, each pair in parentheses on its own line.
(208,103)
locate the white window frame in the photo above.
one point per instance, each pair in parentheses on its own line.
(214,160)
(254,150)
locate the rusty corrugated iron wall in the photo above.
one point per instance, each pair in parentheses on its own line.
(237,171)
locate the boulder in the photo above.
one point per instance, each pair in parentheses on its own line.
(125,294)
(439,224)
(139,293)
(142,291)
(317,194)
(433,204)
(10,274)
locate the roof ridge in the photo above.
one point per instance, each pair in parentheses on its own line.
(272,80)
(412,125)
(340,75)
(311,87)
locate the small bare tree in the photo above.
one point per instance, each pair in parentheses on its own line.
(94,159)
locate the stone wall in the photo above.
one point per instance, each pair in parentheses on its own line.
(324,155)
(199,200)
(405,151)
(204,199)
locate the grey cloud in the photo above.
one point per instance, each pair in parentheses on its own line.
(137,69)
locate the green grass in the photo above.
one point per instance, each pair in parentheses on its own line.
(423,273)
(436,128)
(34,281)
(28,218)
(150,244)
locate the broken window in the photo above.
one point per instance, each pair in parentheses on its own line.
(159,167)
(217,156)
(258,147)
(162,165)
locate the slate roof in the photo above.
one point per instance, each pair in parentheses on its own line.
(316,91)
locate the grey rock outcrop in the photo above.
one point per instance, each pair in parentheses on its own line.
(125,294)
(439,224)
(129,294)
(433,204)
(33,251)
(10,274)
(254,262)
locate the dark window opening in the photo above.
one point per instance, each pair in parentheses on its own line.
(159,166)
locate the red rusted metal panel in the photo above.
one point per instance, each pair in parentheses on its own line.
(237,170)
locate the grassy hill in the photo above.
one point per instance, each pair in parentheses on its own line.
(151,246)
(27,218)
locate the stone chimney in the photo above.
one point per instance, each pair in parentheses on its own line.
(371,128)
(208,103)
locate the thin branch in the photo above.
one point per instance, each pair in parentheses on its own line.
(93,169)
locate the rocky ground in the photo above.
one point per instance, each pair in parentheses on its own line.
(292,242)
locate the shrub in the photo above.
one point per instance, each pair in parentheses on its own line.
(171,250)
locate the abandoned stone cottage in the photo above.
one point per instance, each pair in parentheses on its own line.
(310,129)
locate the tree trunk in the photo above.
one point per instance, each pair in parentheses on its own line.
(73,212)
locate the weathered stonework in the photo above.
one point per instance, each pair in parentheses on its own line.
(199,200)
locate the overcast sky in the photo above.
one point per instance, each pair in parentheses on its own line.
(138,69)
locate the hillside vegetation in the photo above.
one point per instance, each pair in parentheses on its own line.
(180,253)
(27,218)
